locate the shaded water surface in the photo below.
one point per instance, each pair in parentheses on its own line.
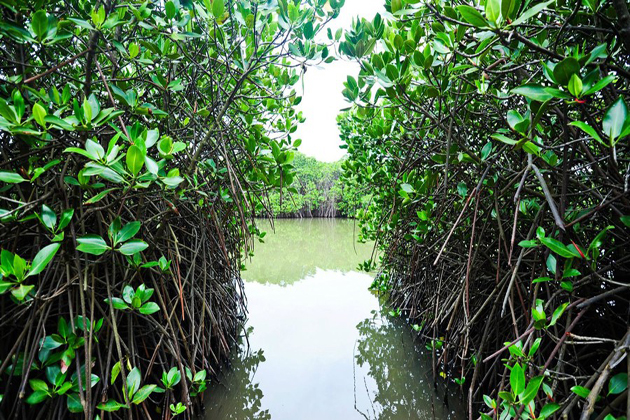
(319,345)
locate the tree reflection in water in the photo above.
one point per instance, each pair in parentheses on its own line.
(236,395)
(393,374)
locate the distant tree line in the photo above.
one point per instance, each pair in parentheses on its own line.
(316,191)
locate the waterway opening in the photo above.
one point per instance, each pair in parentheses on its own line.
(319,344)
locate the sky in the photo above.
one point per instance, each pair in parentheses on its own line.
(322,98)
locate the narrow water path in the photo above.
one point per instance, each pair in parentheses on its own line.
(320,345)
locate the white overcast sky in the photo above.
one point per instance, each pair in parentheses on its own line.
(322,98)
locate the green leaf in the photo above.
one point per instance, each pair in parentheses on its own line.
(308,30)
(37,397)
(39,24)
(503,139)
(172,181)
(65,218)
(133,246)
(533,92)
(134,50)
(462,189)
(472,16)
(81,152)
(538,311)
(7,112)
(7,264)
(87,112)
(149,308)
(98,16)
(165,146)
(59,123)
(133,381)
(532,390)
(39,113)
(531,12)
(551,263)
(66,386)
(507,396)
(74,403)
(396,5)
(10,177)
(135,160)
(557,314)
(178,146)
(118,303)
(534,348)
(115,373)
(565,69)
(493,10)
(144,392)
(49,218)
(528,244)
(94,149)
(576,253)
(599,240)
(92,244)
(489,402)
(516,121)
(38,385)
(485,152)
(575,86)
(618,384)
(597,52)
(557,93)
(218,8)
(531,148)
(82,23)
(517,379)
(128,232)
(294,12)
(557,247)
(507,6)
(22,291)
(18,104)
(615,119)
(600,84)
(108,174)
(407,188)
(43,257)
(548,410)
(110,405)
(128,293)
(580,391)
(588,130)
(98,197)
(171,9)
(200,376)
(570,272)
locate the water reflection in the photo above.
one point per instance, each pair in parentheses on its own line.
(399,373)
(321,348)
(299,247)
(240,394)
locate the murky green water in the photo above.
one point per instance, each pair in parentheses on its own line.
(319,346)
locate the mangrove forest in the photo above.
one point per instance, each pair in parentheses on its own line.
(169,248)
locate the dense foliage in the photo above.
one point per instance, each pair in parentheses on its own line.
(316,191)
(138,140)
(494,136)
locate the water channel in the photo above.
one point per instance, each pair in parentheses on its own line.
(321,346)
